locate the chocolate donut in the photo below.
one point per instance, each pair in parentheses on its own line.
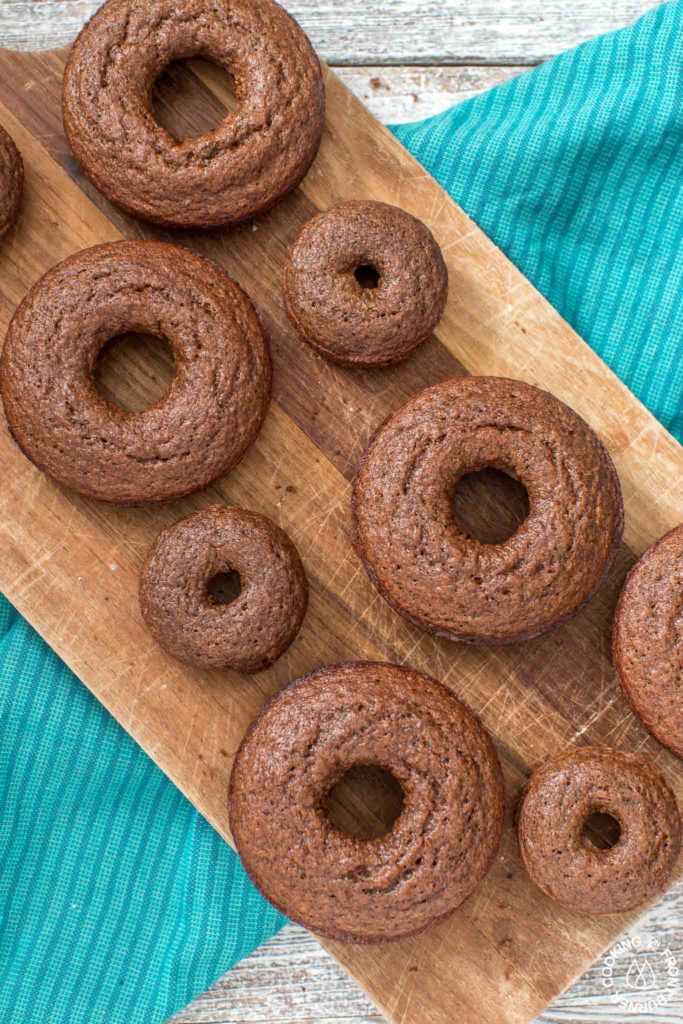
(647,641)
(365,283)
(210,414)
(268,601)
(250,161)
(11,181)
(455,586)
(440,846)
(563,860)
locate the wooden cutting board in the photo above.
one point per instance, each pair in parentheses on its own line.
(71,566)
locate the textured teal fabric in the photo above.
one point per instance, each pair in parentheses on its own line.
(576,172)
(118,903)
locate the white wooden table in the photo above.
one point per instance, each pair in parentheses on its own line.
(408,59)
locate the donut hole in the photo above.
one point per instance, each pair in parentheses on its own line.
(365,802)
(224,587)
(489,505)
(601,830)
(367,276)
(192,97)
(134,371)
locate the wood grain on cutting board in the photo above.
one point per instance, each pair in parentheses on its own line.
(71,566)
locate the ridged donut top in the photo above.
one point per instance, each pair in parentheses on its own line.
(330,308)
(257,155)
(251,631)
(11,181)
(648,639)
(452,584)
(559,800)
(299,747)
(205,421)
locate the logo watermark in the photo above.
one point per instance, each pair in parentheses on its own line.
(641,974)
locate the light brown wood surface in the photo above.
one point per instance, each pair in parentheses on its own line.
(71,566)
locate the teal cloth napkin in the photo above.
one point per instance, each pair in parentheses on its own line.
(118,903)
(576,171)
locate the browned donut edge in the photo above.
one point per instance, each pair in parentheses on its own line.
(516,824)
(616,653)
(479,640)
(208,224)
(150,503)
(147,503)
(257,666)
(357,361)
(360,361)
(196,224)
(336,934)
(16,190)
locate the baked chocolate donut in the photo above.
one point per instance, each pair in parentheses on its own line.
(210,414)
(250,161)
(269,590)
(455,586)
(365,283)
(648,639)
(563,860)
(440,846)
(11,181)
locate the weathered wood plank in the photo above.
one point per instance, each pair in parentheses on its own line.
(387,31)
(396,95)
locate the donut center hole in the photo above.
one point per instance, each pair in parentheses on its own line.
(192,97)
(366,275)
(224,587)
(601,830)
(365,802)
(134,370)
(489,505)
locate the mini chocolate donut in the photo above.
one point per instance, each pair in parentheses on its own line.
(455,586)
(210,414)
(302,744)
(250,161)
(648,639)
(252,629)
(365,283)
(11,181)
(562,859)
